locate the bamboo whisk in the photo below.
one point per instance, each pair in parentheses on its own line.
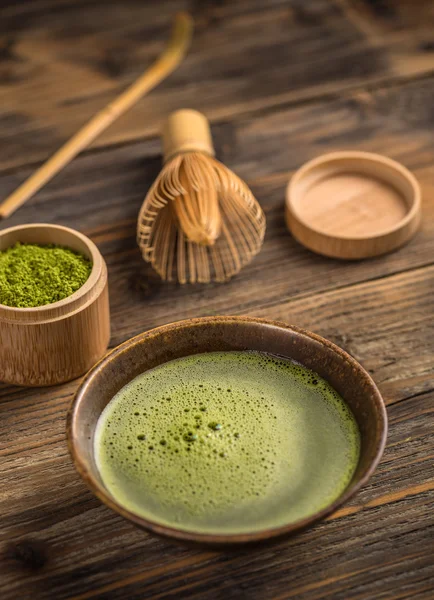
(199,221)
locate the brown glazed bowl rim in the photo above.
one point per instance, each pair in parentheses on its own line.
(212,539)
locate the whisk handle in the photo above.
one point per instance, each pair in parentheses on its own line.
(186,131)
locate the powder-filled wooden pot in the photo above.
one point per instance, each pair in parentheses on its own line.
(353,205)
(57,342)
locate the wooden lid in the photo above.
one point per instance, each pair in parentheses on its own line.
(353,205)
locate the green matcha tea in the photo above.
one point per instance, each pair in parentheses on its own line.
(227,442)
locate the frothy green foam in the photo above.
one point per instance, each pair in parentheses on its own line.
(227,442)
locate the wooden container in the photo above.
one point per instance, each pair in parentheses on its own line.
(57,342)
(353,205)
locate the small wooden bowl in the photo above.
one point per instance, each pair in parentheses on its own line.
(353,205)
(184,338)
(57,342)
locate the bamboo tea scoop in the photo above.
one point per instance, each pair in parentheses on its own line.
(199,221)
(163,66)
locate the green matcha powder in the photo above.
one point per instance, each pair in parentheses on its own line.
(33,275)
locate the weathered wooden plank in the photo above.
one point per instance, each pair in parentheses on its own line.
(403,311)
(43,499)
(62,61)
(62,540)
(56,540)
(102,193)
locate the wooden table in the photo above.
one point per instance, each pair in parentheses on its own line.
(282,81)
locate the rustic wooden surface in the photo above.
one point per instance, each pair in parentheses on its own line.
(282,82)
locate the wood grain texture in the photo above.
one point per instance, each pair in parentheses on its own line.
(102,194)
(173,53)
(89,548)
(56,540)
(61,62)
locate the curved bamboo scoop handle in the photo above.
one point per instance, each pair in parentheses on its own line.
(163,66)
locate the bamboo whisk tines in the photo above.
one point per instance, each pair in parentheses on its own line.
(199,221)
